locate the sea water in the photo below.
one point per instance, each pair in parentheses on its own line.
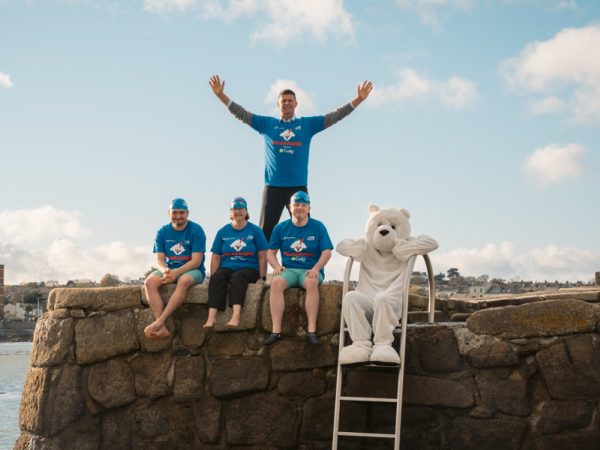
(14,363)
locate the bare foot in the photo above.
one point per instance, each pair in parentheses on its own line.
(157,331)
(210,322)
(234,322)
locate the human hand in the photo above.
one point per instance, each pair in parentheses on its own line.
(260,281)
(364,91)
(167,279)
(312,273)
(278,271)
(216,85)
(165,271)
(207,282)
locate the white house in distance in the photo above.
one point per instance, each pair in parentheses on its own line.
(479,290)
(16,311)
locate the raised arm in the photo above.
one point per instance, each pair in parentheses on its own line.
(361,95)
(238,111)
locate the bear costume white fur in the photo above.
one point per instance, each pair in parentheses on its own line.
(377,303)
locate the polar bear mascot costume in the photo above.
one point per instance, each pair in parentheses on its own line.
(378,299)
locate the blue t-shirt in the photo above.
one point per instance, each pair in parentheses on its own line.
(301,247)
(239,248)
(287,145)
(179,245)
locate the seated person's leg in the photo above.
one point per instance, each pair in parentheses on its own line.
(279,284)
(217,294)
(312,305)
(151,285)
(237,291)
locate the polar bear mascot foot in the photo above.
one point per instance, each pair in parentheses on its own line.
(354,355)
(384,355)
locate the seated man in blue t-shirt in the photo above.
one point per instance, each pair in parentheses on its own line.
(305,249)
(179,248)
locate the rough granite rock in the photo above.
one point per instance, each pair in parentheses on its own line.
(317,419)
(230,344)
(100,338)
(190,320)
(235,377)
(52,341)
(505,396)
(68,403)
(112,384)
(567,415)
(597,278)
(249,315)
(475,434)
(249,421)
(383,416)
(550,318)
(152,374)
(558,373)
(495,355)
(153,423)
(293,355)
(189,379)
(460,317)
(116,430)
(293,316)
(150,345)
(301,384)
(208,420)
(584,296)
(585,355)
(51,299)
(197,294)
(35,400)
(328,319)
(98,299)
(467,340)
(439,352)
(587,441)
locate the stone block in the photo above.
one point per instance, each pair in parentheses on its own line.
(585,356)
(100,338)
(264,419)
(98,299)
(293,355)
(68,402)
(235,377)
(495,355)
(249,315)
(460,317)
(317,418)
(558,372)
(152,374)
(112,384)
(35,400)
(550,318)
(153,424)
(230,344)
(528,299)
(567,415)
(301,384)
(52,341)
(508,397)
(208,420)
(439,352)
(583,296)
(328,319)
(190,320)
(189,379)
(597,278)
(146,317)
(468,341)
(116,430)
(197,294)
(293,316)
(587,441)
(475,434)
(423,316)
(51,299)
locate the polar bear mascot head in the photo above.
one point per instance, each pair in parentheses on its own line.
(384,226)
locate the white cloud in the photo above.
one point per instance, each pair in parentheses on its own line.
(554,163)
(561,64)
(305,99)
(548,105)
(5,81)
(279,21)
(429,9)
(455,93)
(539,264)
(567,5)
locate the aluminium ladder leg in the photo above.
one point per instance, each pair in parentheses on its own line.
(403,330)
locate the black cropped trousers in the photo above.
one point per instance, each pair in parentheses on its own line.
(236,280)
(274,200)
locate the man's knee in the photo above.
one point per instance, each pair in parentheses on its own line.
(278,284)
(382,300)
(185,281)
(311,284)
(153,282)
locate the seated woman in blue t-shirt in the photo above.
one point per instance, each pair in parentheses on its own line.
(238,258)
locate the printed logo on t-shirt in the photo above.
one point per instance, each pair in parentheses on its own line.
(287,134)
(311,238)
(298,127)
(178,249)
(238,245)
(298,245)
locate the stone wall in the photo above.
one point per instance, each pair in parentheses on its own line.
(18,325)
(516,377)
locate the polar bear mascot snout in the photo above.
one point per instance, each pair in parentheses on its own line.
(375,307)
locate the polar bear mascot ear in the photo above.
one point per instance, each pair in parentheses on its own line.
(405,212)
(373,208)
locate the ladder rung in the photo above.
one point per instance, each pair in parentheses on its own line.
(368,399)
(379,435)
(396,330)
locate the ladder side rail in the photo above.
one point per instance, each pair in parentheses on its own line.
(338,381)
(407,276)
(431,312)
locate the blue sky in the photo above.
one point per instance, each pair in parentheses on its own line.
(483,124)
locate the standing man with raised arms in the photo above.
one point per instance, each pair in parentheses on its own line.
(287,146)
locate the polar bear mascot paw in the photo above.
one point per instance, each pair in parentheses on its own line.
(384,355)
(355,355)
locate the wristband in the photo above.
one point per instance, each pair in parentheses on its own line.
(263,278)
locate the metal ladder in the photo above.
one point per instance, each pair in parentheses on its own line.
(402,331)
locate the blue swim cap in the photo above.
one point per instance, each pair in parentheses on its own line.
(239,202)
(178,203)
(300,197)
